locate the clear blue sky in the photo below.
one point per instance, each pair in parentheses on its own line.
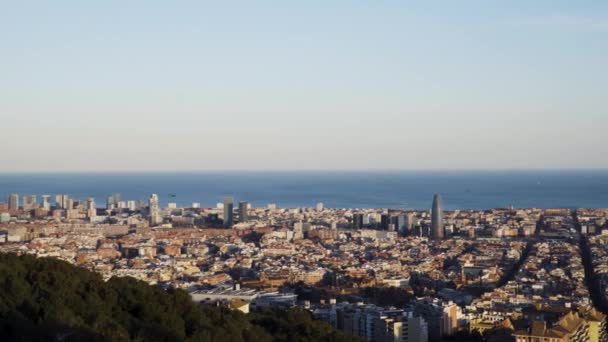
(203,85)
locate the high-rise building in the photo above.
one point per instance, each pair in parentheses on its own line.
(228,212)
(441,317)
(243,215)
(30,202)
(437,218)
(110,203)
(91,208)
(399,222)
(384,221)
(155,217)
(46,202)
(131,205)
(320,206)
(13,202)
(410,222)
(357,221)
(61,201)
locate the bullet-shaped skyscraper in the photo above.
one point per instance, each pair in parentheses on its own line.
(437,218)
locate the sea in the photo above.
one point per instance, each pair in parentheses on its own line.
(336,189)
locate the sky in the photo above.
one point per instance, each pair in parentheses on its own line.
(157,85)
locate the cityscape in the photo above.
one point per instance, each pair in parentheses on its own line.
(502,274)
(304,171)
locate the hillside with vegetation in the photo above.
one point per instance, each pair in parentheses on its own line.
(45,299)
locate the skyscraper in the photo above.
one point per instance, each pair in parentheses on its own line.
(243,216)
(62,201)
(155,218)
(385,220)
(228,212)
(320,206)
(30,202)
(357,221)
(46,202)
(13,202)
(91,208)
(437,218)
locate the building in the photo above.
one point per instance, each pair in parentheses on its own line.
(442,317)
(243,216)
(384,221)
(46,202)
(91,208)
(320,206)
(357,221)
(375,323)
(13,202)
(155,217)
(415,329)
(30,202)
(61,201)
(228,212)
(570,328)
(437,218)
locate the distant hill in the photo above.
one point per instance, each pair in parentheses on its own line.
(44,299)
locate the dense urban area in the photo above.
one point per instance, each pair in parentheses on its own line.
(503,274)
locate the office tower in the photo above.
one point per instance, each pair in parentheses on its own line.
(172,205)
(46,202)
(91,208)
(271,206)
(196,205)
(110,203)
(13,202)
(243,216)
(399,222)
(30,202)
(155,217)
(61,201)
(228,212)
(131,205)
(320,206)
(70,204)
(410,222)
(384,221)
(437,218)
(357,221)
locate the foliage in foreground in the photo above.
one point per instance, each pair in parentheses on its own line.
(44,299)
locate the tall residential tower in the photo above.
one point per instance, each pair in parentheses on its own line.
(228,212)
(155,217)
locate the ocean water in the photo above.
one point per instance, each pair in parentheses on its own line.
(407,189)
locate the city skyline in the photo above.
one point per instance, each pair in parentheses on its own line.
(257,86)
(347,171)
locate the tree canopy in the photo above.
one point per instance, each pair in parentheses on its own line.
(45,299)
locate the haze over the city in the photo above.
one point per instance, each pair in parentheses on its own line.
(200,85)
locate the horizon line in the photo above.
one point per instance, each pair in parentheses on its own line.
(332,170)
